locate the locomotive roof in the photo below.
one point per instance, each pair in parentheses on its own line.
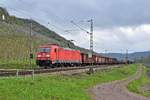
(49,45)
(71,49)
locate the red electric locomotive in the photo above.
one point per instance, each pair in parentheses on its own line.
(53,55)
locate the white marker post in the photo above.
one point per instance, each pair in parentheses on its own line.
(3,17)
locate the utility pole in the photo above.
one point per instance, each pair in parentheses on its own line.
(30,45)
(91,39)
(91,35)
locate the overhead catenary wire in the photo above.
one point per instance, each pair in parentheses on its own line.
(80,27)
(58,28)
(90,33)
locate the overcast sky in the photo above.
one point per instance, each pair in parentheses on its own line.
(118,24)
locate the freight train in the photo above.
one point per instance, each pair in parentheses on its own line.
(52,55)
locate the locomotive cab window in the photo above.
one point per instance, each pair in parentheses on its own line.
(55,50)
(44,50)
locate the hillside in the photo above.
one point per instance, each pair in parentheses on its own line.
(37,28)
(14,37)
(139,56)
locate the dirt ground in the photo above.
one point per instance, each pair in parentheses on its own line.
(116,90)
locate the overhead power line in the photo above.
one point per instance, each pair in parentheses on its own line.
(80,27)
(72,30)
(90,33)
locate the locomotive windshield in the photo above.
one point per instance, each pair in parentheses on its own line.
(44,50)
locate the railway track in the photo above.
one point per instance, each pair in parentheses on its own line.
(22,72)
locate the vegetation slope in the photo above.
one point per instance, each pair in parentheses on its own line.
(14,40)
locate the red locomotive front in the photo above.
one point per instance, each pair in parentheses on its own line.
(54,55)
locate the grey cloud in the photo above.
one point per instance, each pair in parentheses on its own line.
(106,13)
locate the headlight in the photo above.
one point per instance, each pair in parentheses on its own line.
(39,56)
(47,55)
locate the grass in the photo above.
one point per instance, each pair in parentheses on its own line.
(19,64)
(58,87)
(136,85)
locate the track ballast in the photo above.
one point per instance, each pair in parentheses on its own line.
(23,72)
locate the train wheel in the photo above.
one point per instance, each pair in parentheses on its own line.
(45,67)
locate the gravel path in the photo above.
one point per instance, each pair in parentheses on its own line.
(117,90)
